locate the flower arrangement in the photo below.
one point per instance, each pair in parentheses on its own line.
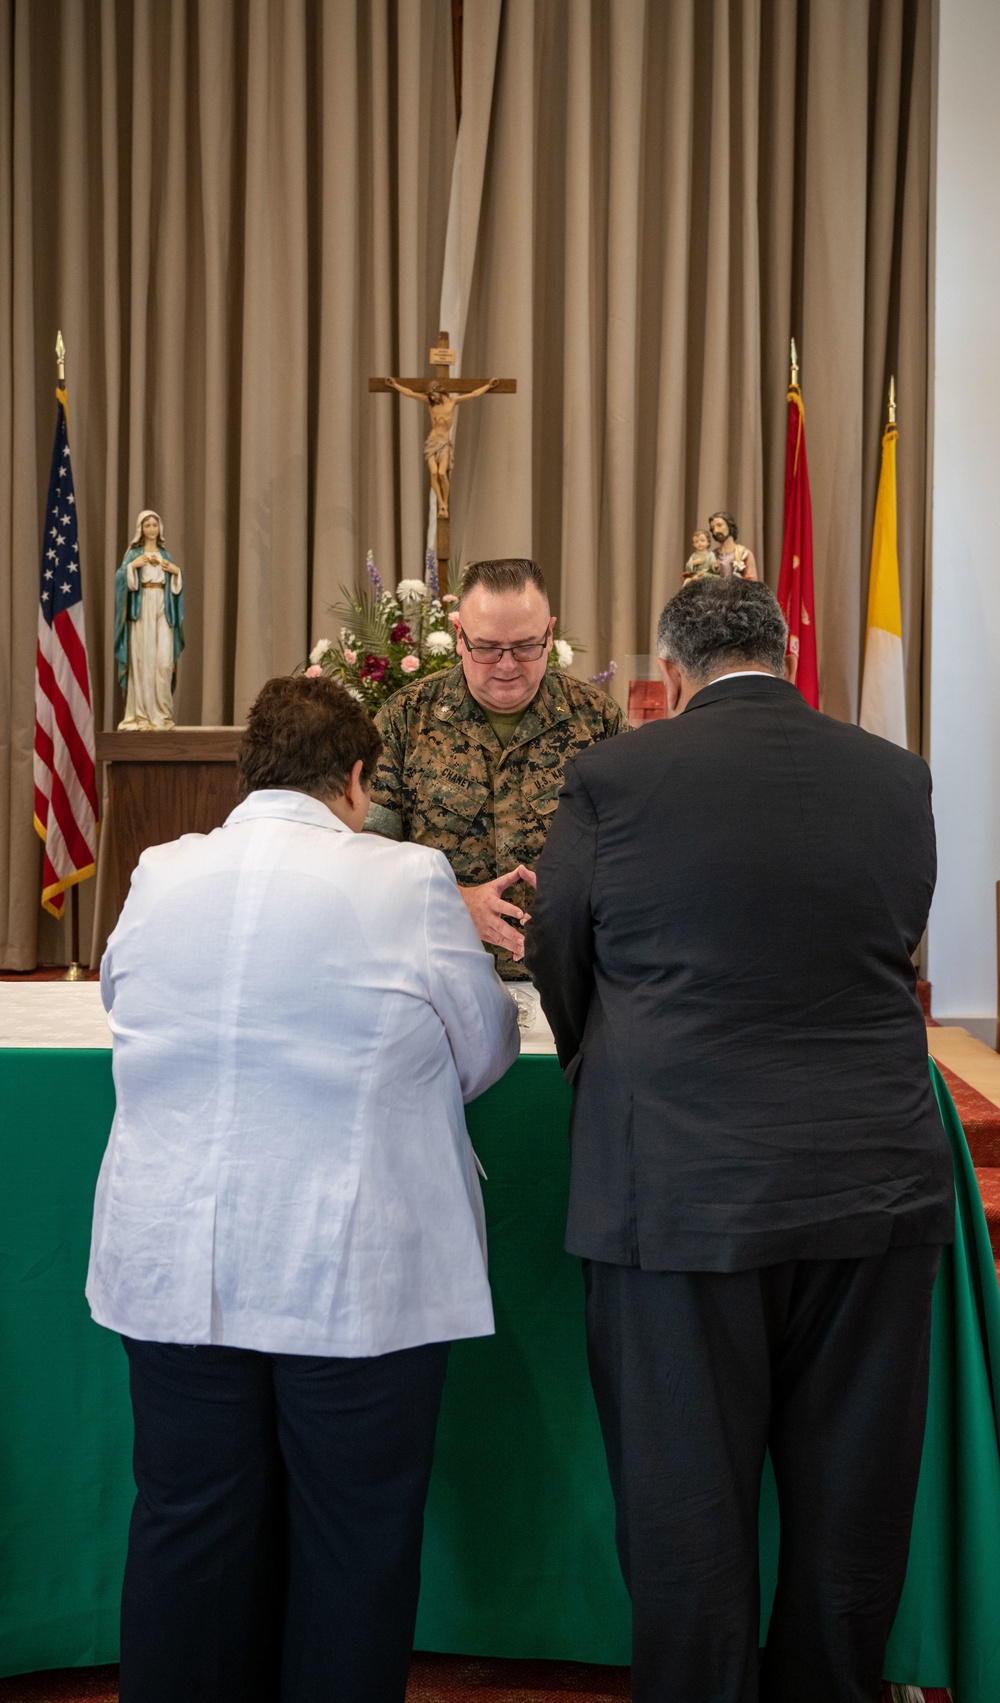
(389,638)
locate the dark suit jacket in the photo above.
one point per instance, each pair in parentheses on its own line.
(727,903)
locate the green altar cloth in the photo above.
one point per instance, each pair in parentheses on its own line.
(519,1548)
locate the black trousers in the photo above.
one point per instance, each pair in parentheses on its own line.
(274,1551)
(696,1374)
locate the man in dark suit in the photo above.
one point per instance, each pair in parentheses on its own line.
(727,905)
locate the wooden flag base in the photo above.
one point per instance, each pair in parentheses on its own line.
(77,972)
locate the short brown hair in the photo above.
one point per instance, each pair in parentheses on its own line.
(506,573)
(307,733)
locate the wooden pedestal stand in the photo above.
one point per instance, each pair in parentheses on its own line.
(162,785)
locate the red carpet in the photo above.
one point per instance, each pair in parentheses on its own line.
(989,1188)
(434,1679)
(980,1120)
(452,1679)
(65,1685)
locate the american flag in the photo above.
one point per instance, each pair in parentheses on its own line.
(65,779)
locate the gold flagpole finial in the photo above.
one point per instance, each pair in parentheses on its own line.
(61,357)
(795,365)
(892,401)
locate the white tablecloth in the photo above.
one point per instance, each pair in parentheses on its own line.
(52,1014)
(70,1014)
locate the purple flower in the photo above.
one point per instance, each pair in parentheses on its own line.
(374,668)
(373,575)
(608,674)
(400,634)
(431,574)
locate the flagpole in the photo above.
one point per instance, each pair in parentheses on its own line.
(76,972)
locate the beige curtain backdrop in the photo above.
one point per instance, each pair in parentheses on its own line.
(672,189)
(237,210)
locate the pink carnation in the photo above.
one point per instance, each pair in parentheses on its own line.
(350,657)
(312,672)
(449,598)
(410,664)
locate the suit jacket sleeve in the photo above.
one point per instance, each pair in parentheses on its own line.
(560,937)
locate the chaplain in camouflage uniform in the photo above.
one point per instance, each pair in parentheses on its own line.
(473,757)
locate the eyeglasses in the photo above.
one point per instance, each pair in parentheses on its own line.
(529,651)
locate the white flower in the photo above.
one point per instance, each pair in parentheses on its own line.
(319,650)
(354,693)
(439,644)
(564,653)
(410,588)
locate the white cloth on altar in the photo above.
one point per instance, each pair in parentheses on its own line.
(53,1014)
(298,1013)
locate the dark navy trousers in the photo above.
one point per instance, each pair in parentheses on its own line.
(274,1550)
(696,1374)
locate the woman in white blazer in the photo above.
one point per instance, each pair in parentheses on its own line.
(288,1230)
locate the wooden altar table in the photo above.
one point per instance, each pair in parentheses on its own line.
(519,1545)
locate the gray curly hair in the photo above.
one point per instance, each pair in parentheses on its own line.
(713,622)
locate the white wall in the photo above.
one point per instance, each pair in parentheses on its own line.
(964,718)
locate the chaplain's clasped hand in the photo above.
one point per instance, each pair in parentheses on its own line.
(489,910)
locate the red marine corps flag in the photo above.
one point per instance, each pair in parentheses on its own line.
(65,782)
(795,585)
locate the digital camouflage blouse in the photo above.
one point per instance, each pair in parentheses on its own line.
(444,780)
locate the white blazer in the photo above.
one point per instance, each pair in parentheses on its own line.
(298,1013)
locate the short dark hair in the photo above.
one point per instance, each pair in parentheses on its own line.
(505,573)
(720,514)
(713,621)
(307,733)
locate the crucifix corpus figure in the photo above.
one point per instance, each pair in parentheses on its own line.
(442,394)
(438,451)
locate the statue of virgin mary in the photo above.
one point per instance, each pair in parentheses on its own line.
(149,627)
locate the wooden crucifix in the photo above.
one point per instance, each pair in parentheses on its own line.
(442,394)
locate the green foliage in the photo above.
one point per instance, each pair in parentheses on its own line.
(366,616)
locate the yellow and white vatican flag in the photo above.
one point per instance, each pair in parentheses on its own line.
(883,686)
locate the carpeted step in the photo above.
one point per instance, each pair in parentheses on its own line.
(988,1179)
(980,1119)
